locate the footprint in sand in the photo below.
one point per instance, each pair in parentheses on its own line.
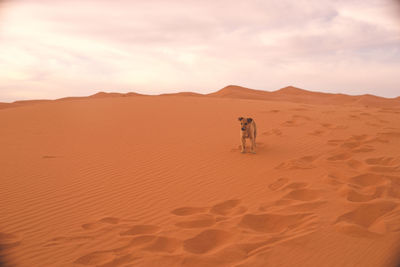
(364,149)
(366,220)
(96,258)
(335,142)
(353,195)
(333,127)
(276,132)
(163,244)
(355,164)
(101,222)
(206,241)
(187,211)
(317,133)
(141,229)
(340,156)
(390,135)
(296,120)
(333,180)
(226,207)
(384,164)
(383,161)
(295,185)
(278,184)
(105,258)
(274,223)
(368,179)
(298,164)
(302,117)
(62,240)
(199,221)
(303,194)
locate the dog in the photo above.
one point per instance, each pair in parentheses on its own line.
(248,129)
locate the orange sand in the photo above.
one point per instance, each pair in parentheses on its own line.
(133,180)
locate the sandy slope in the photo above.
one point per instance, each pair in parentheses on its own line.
(159,181)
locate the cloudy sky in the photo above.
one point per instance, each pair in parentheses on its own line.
(56,48)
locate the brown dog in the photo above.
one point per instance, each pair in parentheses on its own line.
(248,130)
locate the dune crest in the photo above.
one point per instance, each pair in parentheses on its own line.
(289,93)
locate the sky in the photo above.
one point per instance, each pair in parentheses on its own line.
(56,48)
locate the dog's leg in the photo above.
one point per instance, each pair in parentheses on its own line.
(253,144)
(243,144)
(255,135)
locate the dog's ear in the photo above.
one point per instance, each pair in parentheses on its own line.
(240,118)
(249,120)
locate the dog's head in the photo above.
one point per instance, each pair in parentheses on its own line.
(244,123)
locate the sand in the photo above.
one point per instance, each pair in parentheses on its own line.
(134,180)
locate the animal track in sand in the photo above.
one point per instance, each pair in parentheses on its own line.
(304,207)
(354,117)
(394,189)
(333,180)
(206,241)
(333,127)
(317,133)
(164,244)
(303,195)
(200,221)
(278,184)
(290,123)
(110,220)
(142,229)
(96,258)
(340,156)
(273,223)
(295,185)
(368,179)
(186,211)
(296,120)
(366,215)
(226,207)
(364,149)
(276,132)
(353,195)
(384,164)
(385,168)
(298,164)
(391,135)
(302,117)
(61,240)
(105,220)
(355,164)
(382,161)
(335,142)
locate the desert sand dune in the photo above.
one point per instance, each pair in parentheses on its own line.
(133,180)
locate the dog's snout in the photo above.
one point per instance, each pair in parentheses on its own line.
(243,129)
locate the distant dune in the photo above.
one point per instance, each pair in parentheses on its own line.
(289,93)
(133,180)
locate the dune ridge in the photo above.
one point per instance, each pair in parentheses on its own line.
(289,93)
